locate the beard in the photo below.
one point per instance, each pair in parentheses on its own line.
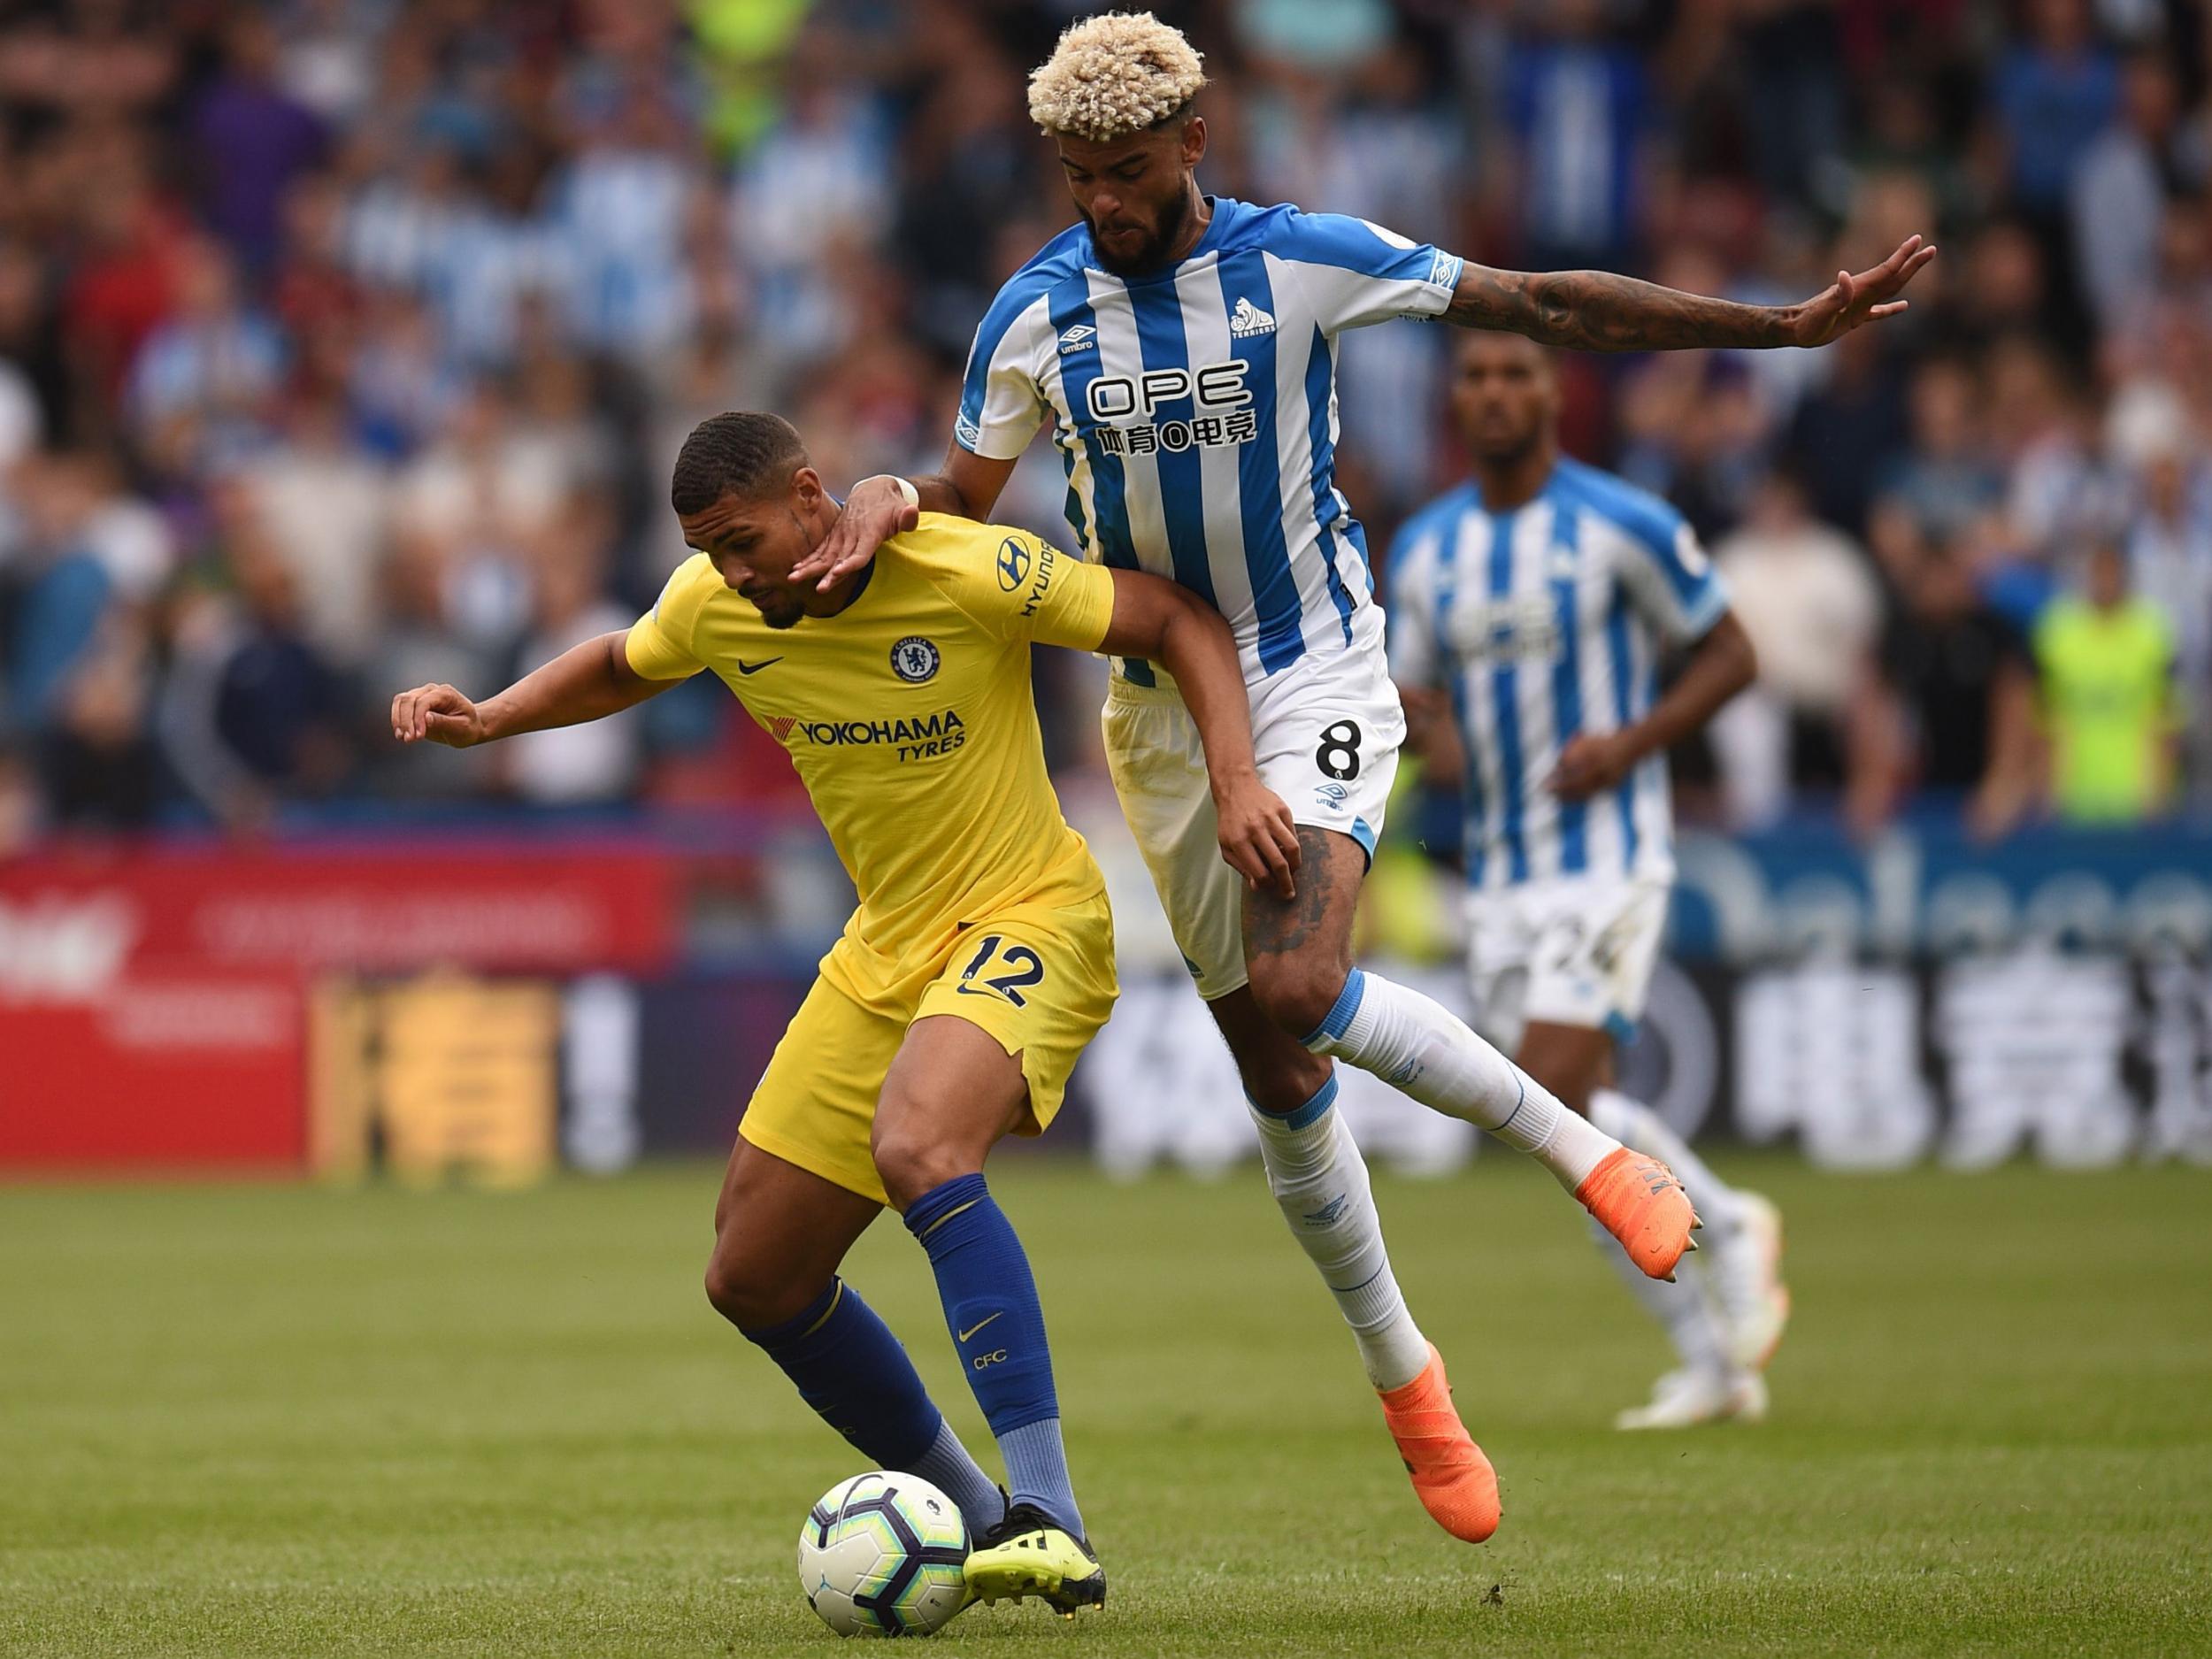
(1154,254)
(1506,449)
(780,609)
(785,606)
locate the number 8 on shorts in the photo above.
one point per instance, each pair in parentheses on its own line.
(1339,754)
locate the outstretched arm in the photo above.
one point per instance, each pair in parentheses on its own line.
(586,682)
(1155,619)
(1596,310)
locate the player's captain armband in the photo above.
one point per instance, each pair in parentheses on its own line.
(658,645)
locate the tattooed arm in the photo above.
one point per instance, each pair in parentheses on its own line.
(1595,311)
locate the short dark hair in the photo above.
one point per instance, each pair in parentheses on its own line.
(742,453)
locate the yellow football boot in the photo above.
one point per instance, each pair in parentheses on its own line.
(1030,1553)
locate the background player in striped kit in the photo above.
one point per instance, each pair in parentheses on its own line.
(1181,346)
(1530,607)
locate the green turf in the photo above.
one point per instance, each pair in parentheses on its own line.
(259,1420)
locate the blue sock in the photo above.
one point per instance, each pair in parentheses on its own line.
(998,1329)
(852,1370)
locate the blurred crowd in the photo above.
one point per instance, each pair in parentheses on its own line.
(344,345)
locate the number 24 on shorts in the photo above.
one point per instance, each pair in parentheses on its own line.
(1027,970)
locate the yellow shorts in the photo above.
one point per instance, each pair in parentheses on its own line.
(1039,978)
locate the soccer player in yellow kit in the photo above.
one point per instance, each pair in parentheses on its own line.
(979,962)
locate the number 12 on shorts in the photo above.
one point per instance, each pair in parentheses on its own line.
(1027,968)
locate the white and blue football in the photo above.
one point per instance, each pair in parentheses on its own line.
(880,1555)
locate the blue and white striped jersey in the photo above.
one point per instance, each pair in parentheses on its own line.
(1195,410)
(1544,622)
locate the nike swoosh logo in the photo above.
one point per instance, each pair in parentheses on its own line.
(978,1325)
(744,667)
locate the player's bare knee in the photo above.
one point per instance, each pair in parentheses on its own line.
(1281,1081)
(1277,1070)
(911,1170)
(1297,992)
(911,1162)
(750,1294)
(731,1290)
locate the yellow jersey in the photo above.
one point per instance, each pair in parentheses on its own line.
(910,718)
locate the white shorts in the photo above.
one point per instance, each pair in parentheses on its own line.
(1326,732)
(1574,950)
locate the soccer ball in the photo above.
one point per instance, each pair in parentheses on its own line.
(881,1554)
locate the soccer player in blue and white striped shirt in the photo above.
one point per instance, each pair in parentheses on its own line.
(1529,611)
(1181,347)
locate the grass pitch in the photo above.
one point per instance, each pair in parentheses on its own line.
(244,1421)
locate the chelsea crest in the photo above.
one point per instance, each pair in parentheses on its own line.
(914,659)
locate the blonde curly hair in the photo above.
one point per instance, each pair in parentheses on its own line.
(1113,75)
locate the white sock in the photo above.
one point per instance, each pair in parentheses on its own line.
(1314,1170)
(1683,1309)
(1415,1044)
(1633,1123)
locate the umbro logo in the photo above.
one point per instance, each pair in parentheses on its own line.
(1077,337)
(1249,320)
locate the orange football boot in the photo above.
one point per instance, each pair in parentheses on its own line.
(1638,1200)
(1451,1476)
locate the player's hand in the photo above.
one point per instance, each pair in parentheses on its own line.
(1867,297)
(1590,764)
(874,513)
(1257,837)
(437,714)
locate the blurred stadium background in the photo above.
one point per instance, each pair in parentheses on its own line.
(344,344)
